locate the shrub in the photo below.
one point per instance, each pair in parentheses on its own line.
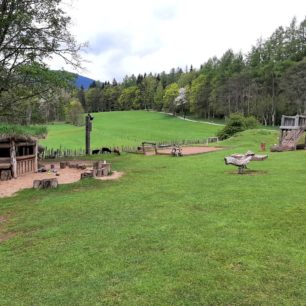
(237,123)
(251,123)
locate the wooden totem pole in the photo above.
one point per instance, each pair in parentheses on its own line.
(88,128)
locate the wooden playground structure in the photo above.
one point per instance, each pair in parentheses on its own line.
(291,130)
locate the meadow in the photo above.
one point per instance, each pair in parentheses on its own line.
(127,129)
(171,231)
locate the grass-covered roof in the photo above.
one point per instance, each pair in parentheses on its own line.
(29,132)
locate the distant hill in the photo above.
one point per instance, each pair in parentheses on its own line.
(83,81)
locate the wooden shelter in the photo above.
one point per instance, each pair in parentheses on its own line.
(291,130)
(18,155)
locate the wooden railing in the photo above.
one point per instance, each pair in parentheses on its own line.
(25,164)
(293,122)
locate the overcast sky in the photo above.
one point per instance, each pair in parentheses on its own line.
(138,36)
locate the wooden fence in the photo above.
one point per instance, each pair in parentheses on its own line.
(25,164)
(50,153)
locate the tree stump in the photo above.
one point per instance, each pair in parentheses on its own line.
(86,174)
(5,175)
(101,168)
(45,183)
(63,164)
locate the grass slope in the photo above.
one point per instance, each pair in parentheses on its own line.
(172,231)
(127,129)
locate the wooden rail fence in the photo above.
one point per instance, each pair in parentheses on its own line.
(50,153)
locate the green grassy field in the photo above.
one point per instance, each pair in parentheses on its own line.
(171,231)
(127,129)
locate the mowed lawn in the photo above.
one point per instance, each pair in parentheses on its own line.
(127,129)
(171,231)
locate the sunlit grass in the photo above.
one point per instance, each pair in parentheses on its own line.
(171,231)
(127,129)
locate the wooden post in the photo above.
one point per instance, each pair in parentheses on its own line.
(13,159)
(87,134)
(296,120)
(36,157)
(283,120)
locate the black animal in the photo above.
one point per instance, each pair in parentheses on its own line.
(105,150)
(116,150)
(95,152)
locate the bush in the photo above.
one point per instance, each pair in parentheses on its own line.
(237,123)
(251,123)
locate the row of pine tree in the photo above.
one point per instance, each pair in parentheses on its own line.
(267,82)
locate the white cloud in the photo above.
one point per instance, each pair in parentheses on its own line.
(139,36)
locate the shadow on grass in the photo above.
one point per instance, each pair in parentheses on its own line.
(248,172)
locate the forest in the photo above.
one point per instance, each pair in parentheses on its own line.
(266,82)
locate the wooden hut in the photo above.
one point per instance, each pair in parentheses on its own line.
(18,155)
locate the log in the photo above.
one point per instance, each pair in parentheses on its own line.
(82,166)
(45,183)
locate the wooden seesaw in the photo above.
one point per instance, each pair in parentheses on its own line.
(241,160)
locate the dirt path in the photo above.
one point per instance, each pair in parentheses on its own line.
(66,176)
(191,120)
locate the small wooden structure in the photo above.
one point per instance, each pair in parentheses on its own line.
(149,146)
(176,151)
(291,129)
(18,155)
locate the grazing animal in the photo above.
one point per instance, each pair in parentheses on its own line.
(106,150)
(116,150)
(95,151)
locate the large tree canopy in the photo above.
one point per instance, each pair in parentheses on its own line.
(30,32)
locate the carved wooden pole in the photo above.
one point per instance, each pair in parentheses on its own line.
(36,156)
(13,159)
(88,127)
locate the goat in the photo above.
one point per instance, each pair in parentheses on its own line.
(116,150)
(105,150)
(95,152)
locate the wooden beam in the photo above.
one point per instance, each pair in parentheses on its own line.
(32,156)
(5,145)
(25,144)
